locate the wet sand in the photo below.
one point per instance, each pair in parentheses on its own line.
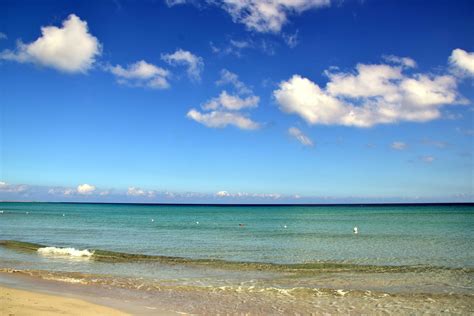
(204,301)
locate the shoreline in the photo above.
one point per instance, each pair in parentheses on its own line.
(204,301)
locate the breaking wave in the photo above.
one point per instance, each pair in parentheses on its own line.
(301,268)
(65,252)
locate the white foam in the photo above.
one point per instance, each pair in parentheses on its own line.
(65,252)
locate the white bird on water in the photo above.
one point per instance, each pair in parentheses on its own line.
(355,230)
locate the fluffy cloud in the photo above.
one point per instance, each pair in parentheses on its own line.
(373,94)
(141,74)
(219,119)
(403,61)
(231,102)
(267,15)
(133,191)
(85,188)
(82,189)
(70,48)
(264,16)
(222,194)
(3,36)
(193,63)
(300,136)
(462,62)
(225,109)
(398,145)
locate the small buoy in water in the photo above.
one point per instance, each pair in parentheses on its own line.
(284,226)
(152,220)
(197,223)
(355,230)
(64,214)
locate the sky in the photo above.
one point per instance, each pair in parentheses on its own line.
(237,101)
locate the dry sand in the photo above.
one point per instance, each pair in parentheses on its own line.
(19,302)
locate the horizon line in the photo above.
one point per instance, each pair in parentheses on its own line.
(257,204)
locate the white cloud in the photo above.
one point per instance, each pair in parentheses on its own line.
(228,77)
(225,194)
(85,188)
(5,187)
(3,36)
(300,136)
(141,74)
(225,109)
(291,39)
(467,132)
(373,94)
(139,70)
(231,102)
(265,16)
(399,145)
(403,61)
(264,45)
(268,15)
(193,63)
(240,44)
(171,3)
(462,62)
(427,159)
(82,189)
(69,191)
(133,191)
(219,119)
(70,48)
(222,194)
(438,144)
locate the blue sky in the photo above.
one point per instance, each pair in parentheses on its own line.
(298,101)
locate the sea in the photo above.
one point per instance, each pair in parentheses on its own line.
(259,259)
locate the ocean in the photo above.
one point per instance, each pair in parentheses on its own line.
(237,252)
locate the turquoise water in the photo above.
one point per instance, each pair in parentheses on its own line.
(435,235)
(265,260)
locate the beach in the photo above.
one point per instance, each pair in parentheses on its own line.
(284,260)
(19,302)
(203,302)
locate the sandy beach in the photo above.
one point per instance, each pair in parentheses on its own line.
(20,302)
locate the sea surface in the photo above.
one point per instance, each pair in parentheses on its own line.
(278,258)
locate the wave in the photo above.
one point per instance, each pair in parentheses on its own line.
(72,252)
(300,268)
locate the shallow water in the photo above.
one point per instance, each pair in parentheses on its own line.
(298,256)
